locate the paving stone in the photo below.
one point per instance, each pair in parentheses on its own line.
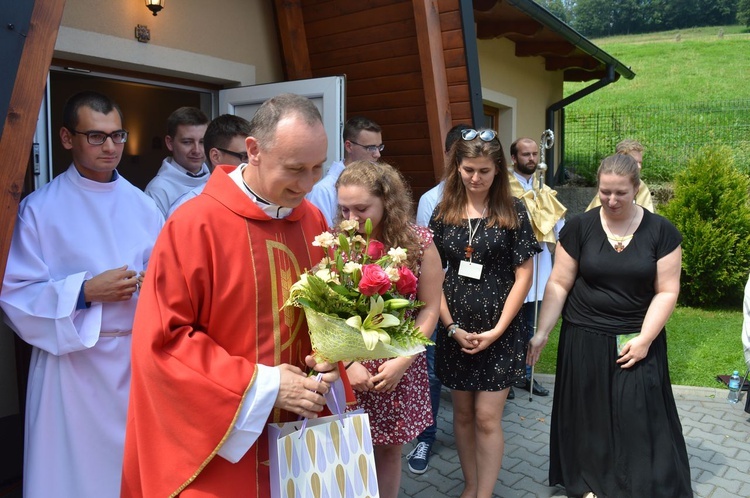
(716,435)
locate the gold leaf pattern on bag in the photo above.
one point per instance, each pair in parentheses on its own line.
(315,485)
(288,452)
(358,429)
(336,439)
(362,461)
(290,488)
(341,479)
(310,443)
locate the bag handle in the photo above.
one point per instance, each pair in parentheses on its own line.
(336,409)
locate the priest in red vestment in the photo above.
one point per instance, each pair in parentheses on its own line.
(215,358)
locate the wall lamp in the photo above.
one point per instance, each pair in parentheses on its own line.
(155,5)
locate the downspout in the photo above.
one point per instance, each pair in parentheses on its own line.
(554,173)
(466,8)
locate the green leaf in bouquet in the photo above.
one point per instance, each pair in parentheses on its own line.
(343,243)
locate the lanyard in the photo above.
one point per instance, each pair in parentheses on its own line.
(472,232)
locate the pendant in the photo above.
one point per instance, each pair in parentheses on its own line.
(619,247)
(468,250)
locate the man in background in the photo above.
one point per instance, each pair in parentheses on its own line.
(363,141)
(418,459)
(185,169)
(223,143)
(547,223)
(76,261)
(643,198)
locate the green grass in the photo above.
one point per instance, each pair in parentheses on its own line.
(699,67)
(701,345)
(686,94)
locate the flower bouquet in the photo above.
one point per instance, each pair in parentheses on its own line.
(358,300)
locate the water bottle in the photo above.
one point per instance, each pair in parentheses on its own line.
(734,387)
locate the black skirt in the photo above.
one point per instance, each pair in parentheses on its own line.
(615,431)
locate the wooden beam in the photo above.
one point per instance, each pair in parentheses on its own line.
(583,62)
(432,61)
(489,29)
(30,78)
(291,26)
(550,47)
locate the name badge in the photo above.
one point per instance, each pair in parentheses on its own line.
(469,269)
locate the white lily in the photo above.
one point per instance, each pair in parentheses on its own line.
(372,328)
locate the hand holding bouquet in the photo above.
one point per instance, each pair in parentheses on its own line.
(359,299)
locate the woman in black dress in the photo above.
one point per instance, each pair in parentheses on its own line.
(615,429)
(486,242)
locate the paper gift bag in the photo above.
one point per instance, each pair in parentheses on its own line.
(325,457)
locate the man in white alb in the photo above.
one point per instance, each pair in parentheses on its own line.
(186,168)
(524,154)
(77,258)
(224,143)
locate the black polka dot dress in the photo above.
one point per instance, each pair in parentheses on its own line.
(476,304)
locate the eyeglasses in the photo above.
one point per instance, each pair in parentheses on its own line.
(484,135)
(99,137)
(242,156)
(372,149)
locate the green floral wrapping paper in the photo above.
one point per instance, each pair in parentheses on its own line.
(333,340)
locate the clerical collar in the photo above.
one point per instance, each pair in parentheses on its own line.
(272,210)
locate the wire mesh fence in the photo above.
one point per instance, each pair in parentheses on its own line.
(670,134)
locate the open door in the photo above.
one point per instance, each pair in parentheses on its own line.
(327,94)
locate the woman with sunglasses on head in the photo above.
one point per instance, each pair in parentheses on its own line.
(485,240)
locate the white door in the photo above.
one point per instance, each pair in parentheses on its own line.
(327,94)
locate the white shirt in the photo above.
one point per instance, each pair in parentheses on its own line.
(171,181)
(324,196)
(543,260)
(79,380)
(427,204)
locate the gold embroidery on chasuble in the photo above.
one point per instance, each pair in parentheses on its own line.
(284,271)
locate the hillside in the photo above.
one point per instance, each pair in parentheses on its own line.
(697,65)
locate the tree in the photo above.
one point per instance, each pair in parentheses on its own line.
(562,9)
(710,208)
(743,12)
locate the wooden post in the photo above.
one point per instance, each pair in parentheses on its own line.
(30,78)
(434,78)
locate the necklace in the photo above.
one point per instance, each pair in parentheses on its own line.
(468,250)
(618,239)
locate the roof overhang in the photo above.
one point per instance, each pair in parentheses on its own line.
(537,32)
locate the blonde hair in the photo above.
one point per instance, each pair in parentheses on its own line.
(385,182)
(629,145)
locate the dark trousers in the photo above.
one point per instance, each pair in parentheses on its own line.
(429,434)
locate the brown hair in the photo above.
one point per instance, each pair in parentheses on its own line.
(501,207)
(264,123)
(385,182)
(628,145)
(620,165)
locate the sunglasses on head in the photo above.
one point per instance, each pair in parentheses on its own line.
(484,135)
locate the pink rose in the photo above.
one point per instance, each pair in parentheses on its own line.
(376,250)
(406,284)
(374,280)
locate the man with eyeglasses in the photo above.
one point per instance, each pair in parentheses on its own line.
(77,259)
(185,169)
(224,143)
(363,141)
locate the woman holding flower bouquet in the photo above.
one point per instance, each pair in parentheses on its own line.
(485,239)
(394,392)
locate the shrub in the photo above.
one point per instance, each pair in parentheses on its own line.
(710,207)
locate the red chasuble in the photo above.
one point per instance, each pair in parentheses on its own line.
(209,311)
